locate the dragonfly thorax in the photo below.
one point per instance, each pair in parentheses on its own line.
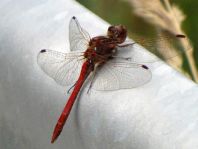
(101,48)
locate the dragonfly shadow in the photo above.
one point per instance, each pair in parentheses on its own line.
(77,114)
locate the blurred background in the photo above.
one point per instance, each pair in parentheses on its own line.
(156,19)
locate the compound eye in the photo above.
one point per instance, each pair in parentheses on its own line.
(110,28)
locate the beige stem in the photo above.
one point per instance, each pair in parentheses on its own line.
(185,43)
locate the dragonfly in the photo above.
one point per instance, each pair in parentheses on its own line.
(95,60)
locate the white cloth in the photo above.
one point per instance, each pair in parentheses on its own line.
(162,114)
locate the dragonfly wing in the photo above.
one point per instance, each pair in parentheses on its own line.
(136,54)
(118,75)
(165,46)
(64,68)
(78,37)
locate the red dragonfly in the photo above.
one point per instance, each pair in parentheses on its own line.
(95,59)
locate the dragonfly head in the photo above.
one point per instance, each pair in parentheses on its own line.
(117,32)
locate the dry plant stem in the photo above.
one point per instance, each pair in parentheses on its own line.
(168,6)
(188,53)
(192,65)
(168,18)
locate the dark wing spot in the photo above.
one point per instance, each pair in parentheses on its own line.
(43,50)
(74,17)
(145,67)
(180,36)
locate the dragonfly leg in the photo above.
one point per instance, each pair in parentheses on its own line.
(68,92)
(126,45)
(92,79)
(123,58)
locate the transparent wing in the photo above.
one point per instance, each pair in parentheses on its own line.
(118,75)
(64,68)
(136,54)
(78,37)
(164,47)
